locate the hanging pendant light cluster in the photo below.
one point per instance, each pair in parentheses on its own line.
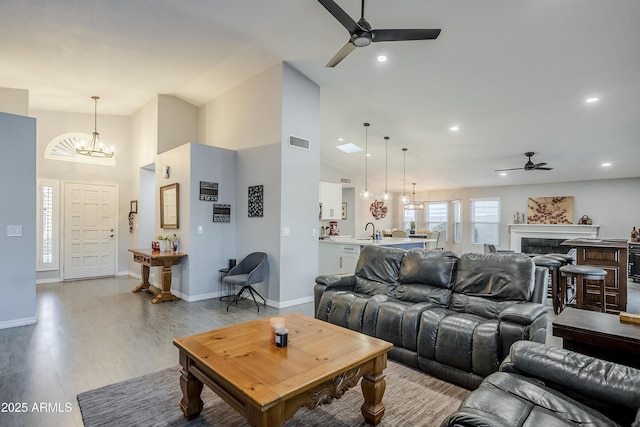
(365,194)
(386,196)
(96,147)
(404,199)
(413,206)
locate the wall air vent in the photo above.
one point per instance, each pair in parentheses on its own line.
(300,143)
(345,180)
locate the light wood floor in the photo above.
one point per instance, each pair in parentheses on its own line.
(93,333)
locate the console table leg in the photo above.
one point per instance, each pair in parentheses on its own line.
(144,272)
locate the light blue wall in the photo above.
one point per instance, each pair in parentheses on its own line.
(18,207)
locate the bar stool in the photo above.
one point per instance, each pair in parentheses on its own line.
(581,273)
(568,258)
(557,299)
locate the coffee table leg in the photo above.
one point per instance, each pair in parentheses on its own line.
(373,386)
(191,404)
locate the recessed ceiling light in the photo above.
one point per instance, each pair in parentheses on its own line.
(382,58)
(368,154)
(340,139)
(605,165)
(349,148)
(503,174)
(592,100)
(454,128)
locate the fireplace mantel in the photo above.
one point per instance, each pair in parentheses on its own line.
(552,231)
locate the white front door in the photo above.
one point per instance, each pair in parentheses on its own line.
(89,230)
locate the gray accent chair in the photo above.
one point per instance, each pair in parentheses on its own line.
(253,269)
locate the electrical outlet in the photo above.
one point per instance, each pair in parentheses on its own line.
(14,231)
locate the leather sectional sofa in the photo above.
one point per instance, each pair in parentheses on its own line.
(539,385)
(453,317)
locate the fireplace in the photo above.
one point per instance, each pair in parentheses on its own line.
(536,245)
(546,238)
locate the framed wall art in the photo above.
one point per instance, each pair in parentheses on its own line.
(256,201)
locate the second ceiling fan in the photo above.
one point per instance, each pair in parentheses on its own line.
(363,35)
(529,166)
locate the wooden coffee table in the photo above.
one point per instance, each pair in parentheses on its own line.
(268,384)
(600,335)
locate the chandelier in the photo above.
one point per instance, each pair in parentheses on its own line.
(413,206)
(96,147)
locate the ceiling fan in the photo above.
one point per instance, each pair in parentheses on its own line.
(529,166)
(362,34)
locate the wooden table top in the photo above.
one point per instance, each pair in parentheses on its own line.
(596,324)
(156,254)
(243,355)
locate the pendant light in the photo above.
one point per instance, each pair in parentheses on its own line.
(386,196)
(413,206)
(96,147)
(404,199)
(364,194)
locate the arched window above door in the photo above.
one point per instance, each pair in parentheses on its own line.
(62,148)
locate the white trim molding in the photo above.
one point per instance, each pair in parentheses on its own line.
(550,231)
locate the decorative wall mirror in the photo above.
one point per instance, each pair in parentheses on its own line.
(169,203)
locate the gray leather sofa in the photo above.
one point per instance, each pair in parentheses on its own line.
(454,318)
(539,385)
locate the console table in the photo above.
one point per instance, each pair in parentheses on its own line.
(149,258)
(610,255)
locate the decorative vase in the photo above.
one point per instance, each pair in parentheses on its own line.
(163,245)
(174,246)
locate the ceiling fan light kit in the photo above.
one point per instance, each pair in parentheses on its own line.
(362,35)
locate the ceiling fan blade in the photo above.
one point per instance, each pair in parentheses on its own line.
(543,169)
(537,165)
(340,15)
(346,50)
(402,35)
(504,170)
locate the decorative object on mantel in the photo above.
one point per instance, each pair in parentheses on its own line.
(634,235)
(550,210)
(96,147)
(585,220)
(256,201)
(378,209)
(518,218)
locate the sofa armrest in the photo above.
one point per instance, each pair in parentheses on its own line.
(522,314)
(345,282)
(584,378)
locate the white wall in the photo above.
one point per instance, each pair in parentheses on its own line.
(14,101)
(613,204)
(177,123)
(300,175)
(18,193)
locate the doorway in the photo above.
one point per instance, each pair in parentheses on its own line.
(89,230)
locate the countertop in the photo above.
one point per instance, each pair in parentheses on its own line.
(604,243)
(337,240)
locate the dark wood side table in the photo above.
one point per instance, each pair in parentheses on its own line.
(600,335)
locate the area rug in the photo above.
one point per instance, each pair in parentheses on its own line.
(412,398)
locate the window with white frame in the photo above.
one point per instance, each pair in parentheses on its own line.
(485,221)
(48,236)
(457,221)
(437,216)
(409,217)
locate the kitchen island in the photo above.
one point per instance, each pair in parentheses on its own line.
(339,255)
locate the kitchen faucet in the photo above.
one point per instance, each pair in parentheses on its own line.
(373,236)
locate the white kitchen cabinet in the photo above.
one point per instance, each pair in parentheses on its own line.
(337,259)
(330,200)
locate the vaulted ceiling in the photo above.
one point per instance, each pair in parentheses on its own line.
(513,75)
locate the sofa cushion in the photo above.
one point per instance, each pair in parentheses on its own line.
(426,276)
(378,269)
(505,399)
(496,276)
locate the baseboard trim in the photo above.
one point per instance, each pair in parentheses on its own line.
(290,303)
(19,322)
(45,281)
